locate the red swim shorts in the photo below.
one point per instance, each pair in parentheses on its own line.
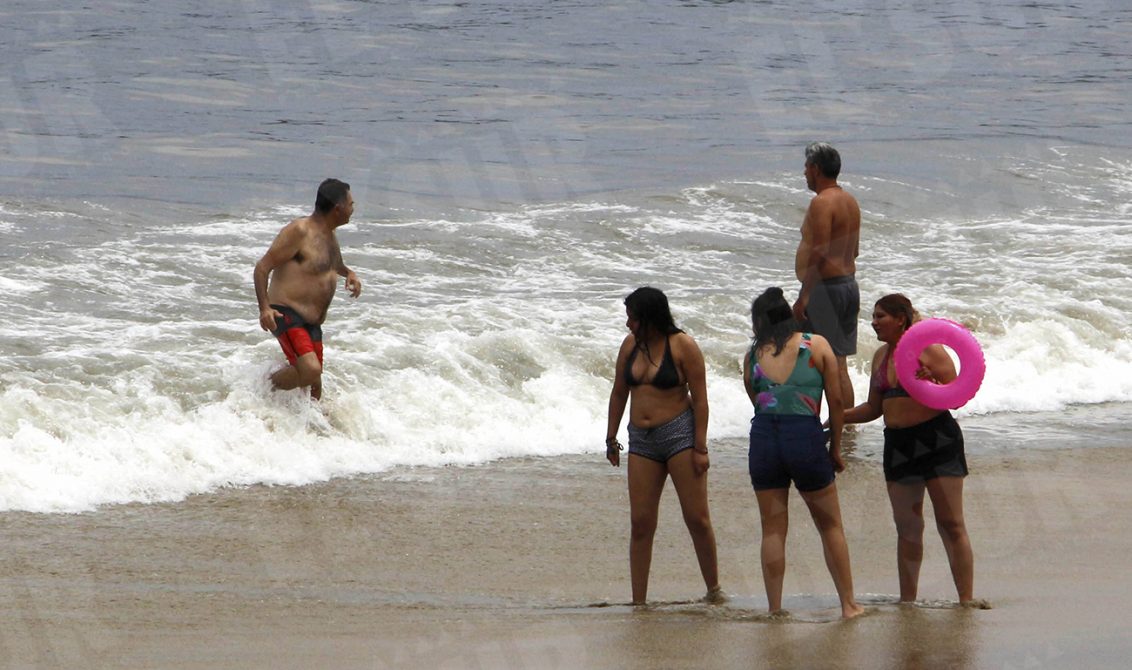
(296,337)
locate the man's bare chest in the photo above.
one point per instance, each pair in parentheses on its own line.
(318,255)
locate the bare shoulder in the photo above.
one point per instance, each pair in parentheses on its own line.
(297,228)
(879,355)
(820,210)
(825,199)
(288,241)
(303,223)
(684,344)
(683,339)
(833,198)
(818,344)
(627,345)
(821,350)
(841,200)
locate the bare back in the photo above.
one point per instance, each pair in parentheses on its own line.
(304,261)
(831,233)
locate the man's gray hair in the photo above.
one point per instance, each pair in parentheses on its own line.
(825,157)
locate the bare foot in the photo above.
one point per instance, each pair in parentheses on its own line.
(715,596)
(851,610)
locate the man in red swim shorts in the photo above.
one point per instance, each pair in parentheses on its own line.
(296,336)
(304,263)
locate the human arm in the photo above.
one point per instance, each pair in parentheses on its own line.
(936,365)
(618,397)
(873,407)
(826,363)
(695,373)
(747,376)
(353,284)
(817,231)
(283,248)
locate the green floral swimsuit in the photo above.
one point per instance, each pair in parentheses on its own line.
(801,394)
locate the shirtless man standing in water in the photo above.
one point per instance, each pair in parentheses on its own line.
(304,263)
(826,261)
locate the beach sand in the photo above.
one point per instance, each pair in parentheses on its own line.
(523,564)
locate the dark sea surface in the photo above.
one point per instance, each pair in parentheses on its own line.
(483,104)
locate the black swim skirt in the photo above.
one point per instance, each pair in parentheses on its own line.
(925,451)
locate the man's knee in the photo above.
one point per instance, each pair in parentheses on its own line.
(309,369)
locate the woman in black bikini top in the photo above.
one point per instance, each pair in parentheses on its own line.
(668,416)
(666,376)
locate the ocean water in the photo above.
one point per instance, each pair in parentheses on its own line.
(518,169)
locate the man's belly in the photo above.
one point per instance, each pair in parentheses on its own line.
(309,298)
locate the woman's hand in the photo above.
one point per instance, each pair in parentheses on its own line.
(838,461)
(936,366)
(613,451)
(700,461)
(923,372)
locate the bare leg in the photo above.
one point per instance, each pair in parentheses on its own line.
(773,512)
(646,483)
(692,492)
(908,514)
(947,501)
(826,511)
(306,371)
(846,384)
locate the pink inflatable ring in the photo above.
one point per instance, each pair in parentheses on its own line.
(972,367)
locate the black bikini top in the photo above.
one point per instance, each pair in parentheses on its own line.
(666,376)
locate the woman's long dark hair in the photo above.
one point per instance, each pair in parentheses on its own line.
(649,306)
(773,320)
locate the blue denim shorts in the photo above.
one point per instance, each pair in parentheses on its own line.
(787,448)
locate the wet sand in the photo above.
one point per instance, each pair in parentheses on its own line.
(523,564)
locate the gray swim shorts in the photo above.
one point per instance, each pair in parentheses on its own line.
(832,312)
(662,442)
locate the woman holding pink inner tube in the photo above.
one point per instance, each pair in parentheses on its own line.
(923,451)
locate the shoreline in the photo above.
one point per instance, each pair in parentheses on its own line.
(523,563)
